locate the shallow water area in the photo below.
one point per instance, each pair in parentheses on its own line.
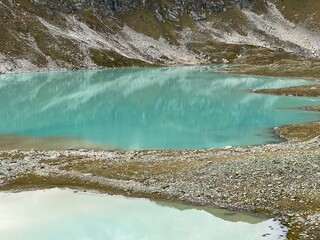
(21,142)
(148,108)
(64,214)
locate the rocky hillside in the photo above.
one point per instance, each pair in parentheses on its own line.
(74,34)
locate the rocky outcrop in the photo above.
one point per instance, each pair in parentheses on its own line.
(169,9)
(97,7)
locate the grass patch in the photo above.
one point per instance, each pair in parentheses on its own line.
(135,170)
(12,155)
(304,90)
(107,58)
(306,12)
(32,181)
(285,65)
(303,131)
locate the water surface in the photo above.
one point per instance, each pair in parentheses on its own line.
(161,108)
(62,215)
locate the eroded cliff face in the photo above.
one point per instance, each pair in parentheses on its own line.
(74,34)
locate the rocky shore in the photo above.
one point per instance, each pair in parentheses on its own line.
(275,179)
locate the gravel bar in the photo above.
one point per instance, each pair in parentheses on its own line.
(280,179)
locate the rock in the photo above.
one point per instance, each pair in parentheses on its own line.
(172,15)
(197,16)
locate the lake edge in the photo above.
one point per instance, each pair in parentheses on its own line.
(129,188)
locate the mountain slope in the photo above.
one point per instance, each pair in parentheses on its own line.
(76,34)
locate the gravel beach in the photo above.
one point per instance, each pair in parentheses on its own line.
(281,180)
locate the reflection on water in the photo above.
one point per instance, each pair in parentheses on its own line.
(9,142)
(182,107)
(226,215)
(62,214)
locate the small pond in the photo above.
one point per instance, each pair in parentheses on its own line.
(58,214)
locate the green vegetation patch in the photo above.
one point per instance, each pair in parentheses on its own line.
(60,49)
(307,11)
(303,131)
(7,155)
(282,66)
(304,90)
(135,170)
(108,58)
(33,181)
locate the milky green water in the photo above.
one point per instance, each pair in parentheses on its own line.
(64,215)
(161,108)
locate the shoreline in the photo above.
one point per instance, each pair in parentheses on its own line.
(295,91)
(279,179)
(229,68)
(97,68)
(308,69)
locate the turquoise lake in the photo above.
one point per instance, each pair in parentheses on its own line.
(143,108)
(64,215)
